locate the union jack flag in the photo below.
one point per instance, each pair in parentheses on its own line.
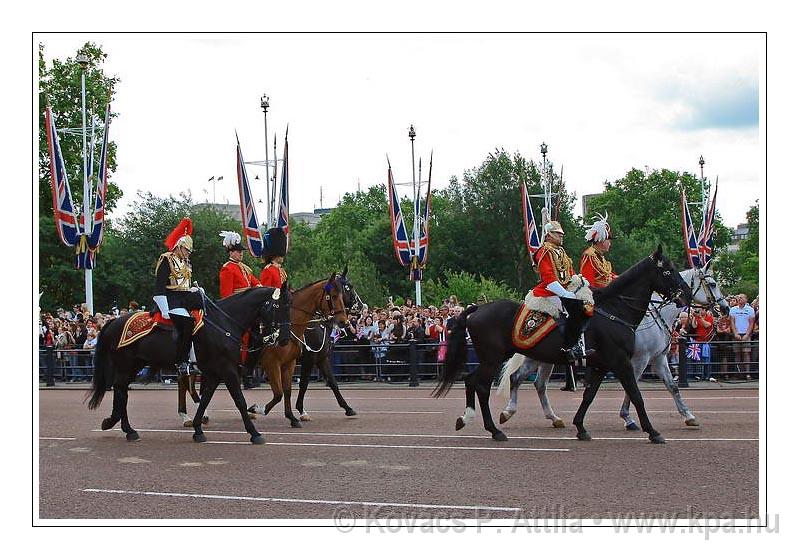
(98,218)
(693,351)
(399,233)
(252,233)
(63,208)
(706,241)
(283,209)
(531,233)
(689,238)
(424,215)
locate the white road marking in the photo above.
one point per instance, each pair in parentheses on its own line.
(341,410)
(685,397)
(300,500)
(384,446)
(434,436)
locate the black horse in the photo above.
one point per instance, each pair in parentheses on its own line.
(610,333)
(216,347)
(319,349)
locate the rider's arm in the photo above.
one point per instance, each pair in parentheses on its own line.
(559,290)
(162,279)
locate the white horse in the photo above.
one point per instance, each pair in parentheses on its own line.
(651,347)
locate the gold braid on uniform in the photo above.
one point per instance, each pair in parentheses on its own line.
(600,263)
(180,271)
(561,261)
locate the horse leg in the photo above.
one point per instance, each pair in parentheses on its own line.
(130,433)
(545,371)
(594,378)
(183,387)
(276,385)
(235,390)
(116,409)
(626,377)
(286,379)
(469,411)
(325,368)
(511,406)
(207,389)
(638,365)
(662,367)
(305,374)
(483,388)
(191,380)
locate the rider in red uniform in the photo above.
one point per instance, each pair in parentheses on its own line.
(274,274)
(235,276)
(594,266)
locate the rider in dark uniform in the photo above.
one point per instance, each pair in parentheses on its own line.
(174,291)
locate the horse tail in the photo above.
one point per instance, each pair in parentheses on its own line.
(456,355)
(511,366)
(103,376)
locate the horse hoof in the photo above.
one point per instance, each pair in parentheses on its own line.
(107,424)
(296,424)
(558,423)
(506,415)
(188,424)
(657,438)
(350,412)
(459,423)
(132,436)
(584,436)
(251,416)
(199,438)
(632,427)
(692,422)
(258,440)
(499,436)
(305,417)
(205,420)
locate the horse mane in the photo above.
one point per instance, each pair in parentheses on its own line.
(314,282)
(620,282)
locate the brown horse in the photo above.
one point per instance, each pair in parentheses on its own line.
(324,297)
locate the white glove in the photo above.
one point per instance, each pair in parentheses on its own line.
(559,290)
(161,302)
(197,289)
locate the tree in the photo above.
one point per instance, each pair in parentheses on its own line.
(60,87)
(738,270)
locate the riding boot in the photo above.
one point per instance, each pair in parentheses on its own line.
(184,325)
(572,328)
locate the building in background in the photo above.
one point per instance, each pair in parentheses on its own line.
(739,235)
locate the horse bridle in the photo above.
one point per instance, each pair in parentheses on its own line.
(703,284)
(324,296)
(227,333)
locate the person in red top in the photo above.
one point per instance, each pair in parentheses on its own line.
(273,274)
(234,276)
(704,332)
(594,265)
(556,273)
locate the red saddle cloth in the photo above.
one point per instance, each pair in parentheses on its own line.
(142,323)
(530,327)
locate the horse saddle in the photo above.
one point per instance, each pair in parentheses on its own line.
(143,323)
(530,327)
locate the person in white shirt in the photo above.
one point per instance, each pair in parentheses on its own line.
(743,318)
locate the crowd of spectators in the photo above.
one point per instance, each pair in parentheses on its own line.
(723,343)
(68,337)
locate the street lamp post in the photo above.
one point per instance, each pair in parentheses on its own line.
(415,255)
(83,61)
(265,108)
(702,162)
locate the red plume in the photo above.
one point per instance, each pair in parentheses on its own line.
(184,228)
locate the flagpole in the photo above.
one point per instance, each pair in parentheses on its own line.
(83,61)
(274,218)
(412,134)
(265,108)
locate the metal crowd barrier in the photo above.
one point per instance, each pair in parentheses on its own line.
(412,362)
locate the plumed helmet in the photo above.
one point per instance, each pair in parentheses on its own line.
(553,227)
(181,236)
(274,243)
(231,240)
(599,230)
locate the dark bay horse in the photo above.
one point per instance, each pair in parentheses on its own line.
(318,350)
(322,296)
(216,347)
(618,309)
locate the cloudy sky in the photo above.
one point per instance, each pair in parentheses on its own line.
(603,103)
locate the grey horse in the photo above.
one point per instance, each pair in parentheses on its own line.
(651,347)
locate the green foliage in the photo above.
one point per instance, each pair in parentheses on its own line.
(738,270)
(467,288)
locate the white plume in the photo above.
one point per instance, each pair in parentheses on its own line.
(229,238)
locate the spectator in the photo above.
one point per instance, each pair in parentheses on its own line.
(368,329)
(415,331)
(754,335)
(91,339)
(47,342)
(743,317)
(704,332)
(64,343)
(722,351)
